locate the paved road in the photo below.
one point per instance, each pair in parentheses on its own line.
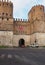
(22,56)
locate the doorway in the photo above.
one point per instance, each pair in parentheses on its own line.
(21,43)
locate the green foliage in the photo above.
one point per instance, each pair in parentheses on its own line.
(27,46)
(44,46)
(4,46)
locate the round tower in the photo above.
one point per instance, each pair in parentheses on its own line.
(37,12)
(6,9)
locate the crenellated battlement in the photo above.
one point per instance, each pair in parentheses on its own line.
(36,13)
(6,9)
(36,7)
(20,20)
(5,1)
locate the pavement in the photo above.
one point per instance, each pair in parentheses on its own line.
(22,56)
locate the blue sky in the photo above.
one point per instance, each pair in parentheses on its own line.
(22,7)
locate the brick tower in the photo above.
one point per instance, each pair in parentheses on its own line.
(6,9)
(6,22)
(37,25)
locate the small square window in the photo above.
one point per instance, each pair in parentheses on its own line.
(2,18)
(0,4)
(10,15)
(7,3)
(7,18)
(34,10)
(40,8)
(3,3)
(10,4)
(2,13)
(6,14)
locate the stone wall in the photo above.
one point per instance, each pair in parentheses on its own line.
(32,39)
(16,39)
(6,38)
(39,37)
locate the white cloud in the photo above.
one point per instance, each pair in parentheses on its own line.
(43,2)
(21,5)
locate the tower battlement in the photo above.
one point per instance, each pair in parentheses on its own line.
(6,9)
(21,20)
(35,7)
(5,1)
(37,12)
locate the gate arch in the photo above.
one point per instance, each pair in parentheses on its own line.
(21,43)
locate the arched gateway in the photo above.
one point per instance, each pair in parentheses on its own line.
(21,43)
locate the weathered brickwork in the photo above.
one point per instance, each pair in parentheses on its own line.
(17,32)
(6,24)
(37,25)
(6,9)
(21,27)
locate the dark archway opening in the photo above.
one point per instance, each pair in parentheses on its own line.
(21,43)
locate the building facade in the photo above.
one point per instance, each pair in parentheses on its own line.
(21,32)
